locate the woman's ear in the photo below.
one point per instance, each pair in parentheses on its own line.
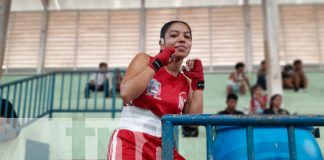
(161,42)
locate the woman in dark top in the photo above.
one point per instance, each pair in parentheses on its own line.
(275,106)
(8,118)
(7,110)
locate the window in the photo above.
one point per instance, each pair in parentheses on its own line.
(60,49)
(23,38)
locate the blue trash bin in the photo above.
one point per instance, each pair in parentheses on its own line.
(269,143)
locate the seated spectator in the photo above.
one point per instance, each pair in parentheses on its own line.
(231,102)
(238,80)
(287,77)
(275,106)
(261,76)
(8,117)
(99,81)
(258,100)
(299,78)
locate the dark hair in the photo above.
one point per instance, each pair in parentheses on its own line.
(255,87)
(272,99)
(297,61)
(239,65)
(166,27)
(231,96)
(102,64)
(287,67)
(263,62)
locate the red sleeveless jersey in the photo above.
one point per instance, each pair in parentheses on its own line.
(165,94)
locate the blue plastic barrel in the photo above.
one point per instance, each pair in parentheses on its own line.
(269,143)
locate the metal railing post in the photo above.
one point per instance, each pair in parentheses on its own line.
(70,91)
(62,91)
(167,141)
(209,141)
(52,95)
(292,143)
(79,90)
(113,97)
(250,143)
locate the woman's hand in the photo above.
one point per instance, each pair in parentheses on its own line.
(165,57)
(195,71)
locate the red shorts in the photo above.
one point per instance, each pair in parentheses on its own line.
(126,145)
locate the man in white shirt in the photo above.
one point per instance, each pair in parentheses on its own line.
(99,81)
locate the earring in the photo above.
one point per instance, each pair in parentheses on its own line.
(161,40)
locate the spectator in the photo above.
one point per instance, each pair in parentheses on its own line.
(238,80)
(287,77)
(275,106)
(231,102)
(258,100)
(261,76)
(99,81)
(299,77)
(7,110)
(8,117)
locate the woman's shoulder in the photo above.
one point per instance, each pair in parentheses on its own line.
(142,56)
(283,111)
(137,64)
(140,59)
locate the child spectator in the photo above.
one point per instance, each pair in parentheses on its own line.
(238,80)
(99,81)
(287,77)
(258,100)
(275,106)
(299,77)
(231,102)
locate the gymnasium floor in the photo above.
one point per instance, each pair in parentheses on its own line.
(57,134)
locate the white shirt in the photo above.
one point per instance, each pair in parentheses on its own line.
(98,78)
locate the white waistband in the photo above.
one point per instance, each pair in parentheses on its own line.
(140,120)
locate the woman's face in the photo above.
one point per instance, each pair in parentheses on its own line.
(258,91)
(277,102)
(179,37)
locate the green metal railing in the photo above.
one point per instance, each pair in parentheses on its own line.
(55,92)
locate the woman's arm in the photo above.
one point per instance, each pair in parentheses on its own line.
(232,77)
(137,77)
(246,79)
(140,71)
(194,103)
